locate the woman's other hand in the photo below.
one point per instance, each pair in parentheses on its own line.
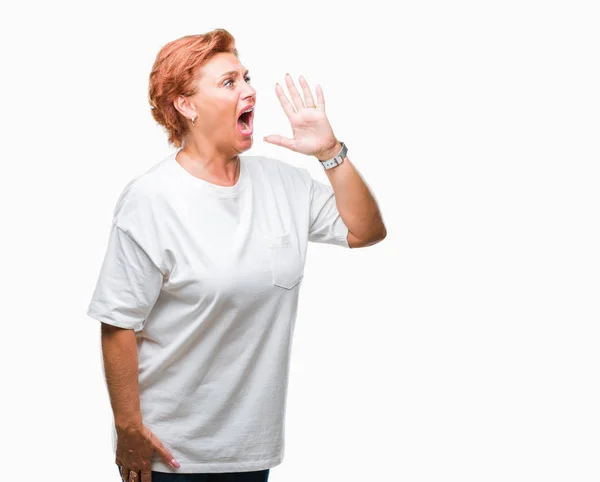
(135,447)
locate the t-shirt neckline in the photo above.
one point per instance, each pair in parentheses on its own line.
(196,182)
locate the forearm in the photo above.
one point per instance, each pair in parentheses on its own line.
(119,352)
(354,200)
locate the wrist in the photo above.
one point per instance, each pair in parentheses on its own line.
(330,153)
(130,422)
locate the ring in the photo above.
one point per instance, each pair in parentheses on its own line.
(132,474)
(313,106)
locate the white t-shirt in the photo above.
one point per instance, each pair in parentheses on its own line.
(208,277)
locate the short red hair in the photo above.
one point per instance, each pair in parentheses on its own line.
(175,71)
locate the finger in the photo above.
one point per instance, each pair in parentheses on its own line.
(320,98)
(308,98)
(146,475)
(296,99)
(146,470)
(287,107)
(280,141)
(163,452)
(133,475)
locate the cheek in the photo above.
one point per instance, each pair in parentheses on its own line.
(221,108)
(218,117)
(227,112)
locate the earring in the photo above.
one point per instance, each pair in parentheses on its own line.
(193,119)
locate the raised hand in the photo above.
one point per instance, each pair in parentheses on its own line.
(312,132)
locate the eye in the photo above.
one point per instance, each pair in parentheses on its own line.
(230,80)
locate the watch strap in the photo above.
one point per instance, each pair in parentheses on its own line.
(337,160)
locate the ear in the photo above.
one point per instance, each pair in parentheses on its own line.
(184,107)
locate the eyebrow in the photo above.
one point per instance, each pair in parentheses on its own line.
(233,73)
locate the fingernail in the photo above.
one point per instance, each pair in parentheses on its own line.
(175,464)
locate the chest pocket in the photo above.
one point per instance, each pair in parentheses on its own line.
(286,263)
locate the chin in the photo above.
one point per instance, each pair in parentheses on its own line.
(243,146)
(247,143)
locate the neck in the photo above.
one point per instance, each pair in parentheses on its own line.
(205,157)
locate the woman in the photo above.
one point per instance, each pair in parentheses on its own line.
(199,287)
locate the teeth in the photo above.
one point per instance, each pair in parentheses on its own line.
(244,125)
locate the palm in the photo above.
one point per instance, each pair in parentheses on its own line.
(310,127)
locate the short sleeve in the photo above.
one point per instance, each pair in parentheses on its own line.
(326,224)
(128,285)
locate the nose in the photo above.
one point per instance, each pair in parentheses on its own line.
(249,91)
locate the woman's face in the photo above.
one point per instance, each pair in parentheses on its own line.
(222,93)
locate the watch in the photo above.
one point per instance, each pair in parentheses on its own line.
(337,160)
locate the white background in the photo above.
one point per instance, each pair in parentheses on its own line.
(464,347)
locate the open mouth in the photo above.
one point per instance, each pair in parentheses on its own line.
(244,123)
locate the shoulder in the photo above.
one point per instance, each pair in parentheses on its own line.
(142,191)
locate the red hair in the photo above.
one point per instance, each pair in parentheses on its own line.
(174,72)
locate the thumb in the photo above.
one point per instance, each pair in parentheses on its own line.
(163,452)
(280,141)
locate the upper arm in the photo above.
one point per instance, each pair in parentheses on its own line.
(128,284)
(325,222)
(355,242)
